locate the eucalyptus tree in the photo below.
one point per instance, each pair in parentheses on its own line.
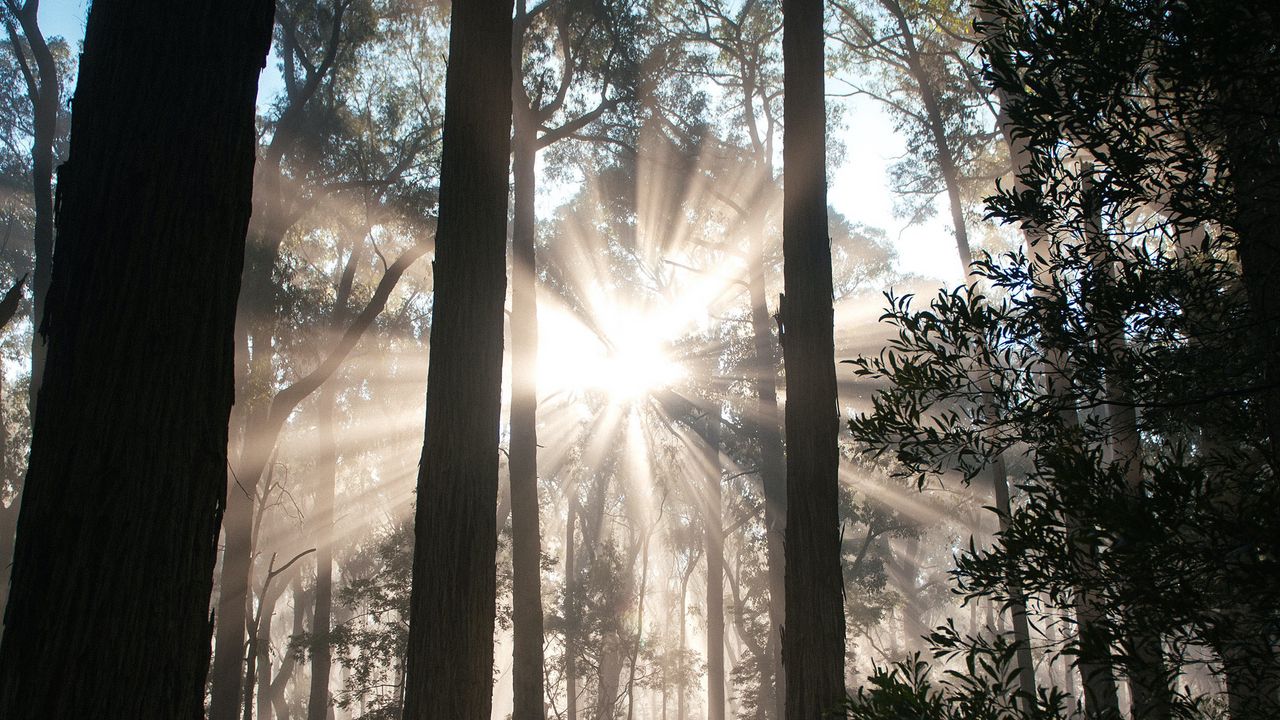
(1138,297)
(34,120)
(919,60)
(451,628)
(813,644)
(740,55)
(112,588)
(347,127)
(571,65)
(42,64)
(1184,100)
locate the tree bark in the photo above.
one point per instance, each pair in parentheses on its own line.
(450,658)
(526,541)
(813,645)
(108,615)
(713,543)
(44,91)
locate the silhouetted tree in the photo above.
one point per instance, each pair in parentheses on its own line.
(127,481)
(813,637)
(450,664)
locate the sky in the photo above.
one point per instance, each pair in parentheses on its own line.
(859,187)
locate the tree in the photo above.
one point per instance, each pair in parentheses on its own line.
(587,49)
(43,80)
(450,662)
(813,642)
(1148,444)
(36,69)
(319,145)
(123,498)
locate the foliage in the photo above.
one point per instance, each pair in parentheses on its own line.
(982,687)
(1120,354)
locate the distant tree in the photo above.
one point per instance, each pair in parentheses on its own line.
(119,525)
(42,76)
(341,134)
(585,42)
(450,663)
(813,640)
(32,143)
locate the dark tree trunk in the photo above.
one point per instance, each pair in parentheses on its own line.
(813,644)
(773,475)
(526,542)
(713,545)
(108,614)
(450,659)
(44,91)
(1100,692)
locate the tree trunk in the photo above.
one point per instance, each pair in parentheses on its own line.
(255,387)
(570,611)
(227,673)
(1018,600)
(526,541)
(44,91)
(326,490)
(1100,691)
(713,544)
(450,659)
(813,648)
(290,661)
(321,623)
(108,614)
(1150,693)
(772,475)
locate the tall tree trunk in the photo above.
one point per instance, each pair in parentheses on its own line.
(279,702)
(1018,600)
(526,541)
(773,474)
(813,648)
(108,614)
(321,624)
(570,610)
(274,213)
(326,490)
(713,545)
(232,613)
(450,659)
(1150,693)
(44,91)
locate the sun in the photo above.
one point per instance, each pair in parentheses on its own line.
(624,355)
(636,368)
